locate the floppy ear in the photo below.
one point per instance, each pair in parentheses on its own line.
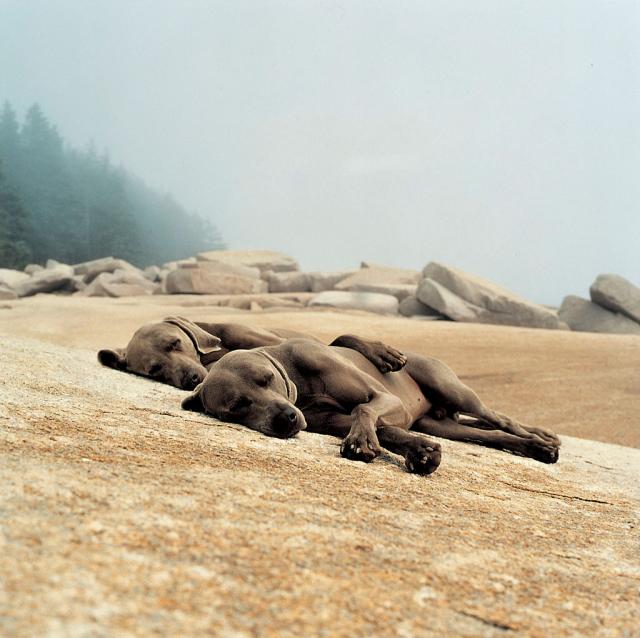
(193,402)
(204,342)
(113,358)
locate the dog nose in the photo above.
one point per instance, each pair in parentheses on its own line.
(285,423)
(190,381)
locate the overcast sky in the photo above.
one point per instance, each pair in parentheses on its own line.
(502,137)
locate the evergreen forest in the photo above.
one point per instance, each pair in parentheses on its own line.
(75,205)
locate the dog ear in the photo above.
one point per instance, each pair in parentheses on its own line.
(113,358)
(204,342)
(193,402)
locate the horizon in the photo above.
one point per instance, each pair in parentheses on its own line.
(499,139)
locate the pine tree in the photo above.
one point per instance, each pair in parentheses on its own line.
(14,228)
(48,192)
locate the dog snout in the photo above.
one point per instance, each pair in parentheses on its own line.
(285,423)
(191,379)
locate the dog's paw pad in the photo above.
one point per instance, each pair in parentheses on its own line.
(359,449)
(544,451)
(423,458)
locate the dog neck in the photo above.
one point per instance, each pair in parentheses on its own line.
(292,391)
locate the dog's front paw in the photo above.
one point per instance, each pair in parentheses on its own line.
(361,446)
(385,358)
(543,450)
(423,457)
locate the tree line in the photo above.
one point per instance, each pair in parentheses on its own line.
(75,205)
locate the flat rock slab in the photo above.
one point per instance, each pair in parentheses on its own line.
(617,294)
(373,275)
(91,269)
(124,515)
(289,282)
(367,301)
(203,281)
(263,259)
(465,297)
(47,280)
(11,278)
(321,281)
(411,306)
(584,316)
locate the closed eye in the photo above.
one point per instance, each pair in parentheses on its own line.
(240,405)
(173,345)
(265,380)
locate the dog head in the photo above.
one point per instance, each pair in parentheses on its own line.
(169,351)
(251,388)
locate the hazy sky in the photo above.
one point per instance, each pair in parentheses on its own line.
(499,136)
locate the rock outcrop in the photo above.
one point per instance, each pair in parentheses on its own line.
(465,297)
(128,515)
(586,316)
(617,294)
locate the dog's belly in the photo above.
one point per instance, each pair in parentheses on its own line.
(400,384)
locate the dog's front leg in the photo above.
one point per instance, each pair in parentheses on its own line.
(361,444)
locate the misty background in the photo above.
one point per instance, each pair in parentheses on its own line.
(499,137)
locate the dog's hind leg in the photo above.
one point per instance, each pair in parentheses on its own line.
(442,387)
(532,447)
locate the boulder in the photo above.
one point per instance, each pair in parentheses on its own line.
(321,281)
(202,281)
(30,269)
(465,297)
(53,264)
(369,301)
(617,294)
(179,263)
(91,269)
(399,291)
(262,259)
(152,273)
(412,307)
(121,283)
(222,267)
(48,280)
(364,279)
(289,282)
(11,278)
(78,284)
(585,316)
(7,293)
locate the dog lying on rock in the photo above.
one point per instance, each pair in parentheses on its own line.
(302,384)
(179,352)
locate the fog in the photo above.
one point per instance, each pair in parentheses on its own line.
(501,137)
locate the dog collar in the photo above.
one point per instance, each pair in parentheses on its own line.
(292,391)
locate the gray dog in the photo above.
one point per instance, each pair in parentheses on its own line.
(179,352)
(301,384)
